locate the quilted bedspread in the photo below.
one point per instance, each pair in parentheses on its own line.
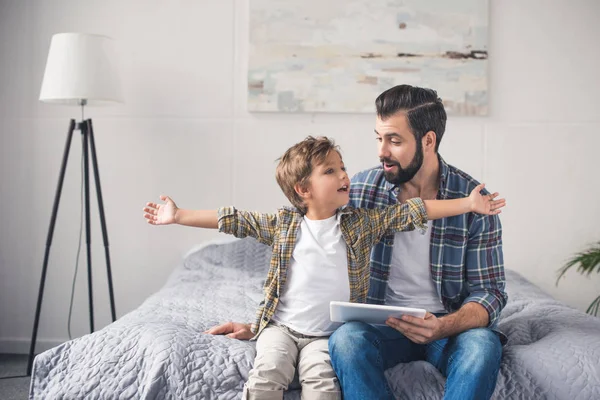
(159,350)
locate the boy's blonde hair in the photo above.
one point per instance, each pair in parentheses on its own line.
(296,165)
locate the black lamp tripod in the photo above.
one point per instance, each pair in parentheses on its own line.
(87,137)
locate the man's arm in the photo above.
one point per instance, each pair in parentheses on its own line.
(469,316)
(484,263)
(484,266)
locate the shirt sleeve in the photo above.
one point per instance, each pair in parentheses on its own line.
(485,265)
(242,224)
(406,216)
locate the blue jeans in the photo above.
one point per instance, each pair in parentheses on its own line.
(360,353)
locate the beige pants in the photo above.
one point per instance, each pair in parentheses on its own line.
(278,351)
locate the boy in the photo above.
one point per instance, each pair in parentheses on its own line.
(321,253)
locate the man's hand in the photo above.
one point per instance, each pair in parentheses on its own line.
(470,315)
(419,330)
(485,204)
(234,330)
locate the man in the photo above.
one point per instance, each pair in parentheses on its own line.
(455,271)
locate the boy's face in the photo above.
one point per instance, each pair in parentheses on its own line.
(329,185)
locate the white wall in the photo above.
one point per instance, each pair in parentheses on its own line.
(184,131)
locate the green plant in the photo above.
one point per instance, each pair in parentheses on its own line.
(588,260)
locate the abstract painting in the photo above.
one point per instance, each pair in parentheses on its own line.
(338,55)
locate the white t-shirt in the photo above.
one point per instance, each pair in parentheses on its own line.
(410,283)
(317,274)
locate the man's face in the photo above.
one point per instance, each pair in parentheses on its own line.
(400,154)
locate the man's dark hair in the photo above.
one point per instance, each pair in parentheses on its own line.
(423,109)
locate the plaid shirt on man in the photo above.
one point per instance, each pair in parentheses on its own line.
(361,229)
(466,250)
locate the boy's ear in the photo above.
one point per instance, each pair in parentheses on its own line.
(303,191)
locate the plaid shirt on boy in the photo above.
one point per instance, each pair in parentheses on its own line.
(466,250)
(361,229)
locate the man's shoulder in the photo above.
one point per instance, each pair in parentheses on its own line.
(369,189)
(458,182)
(368,176)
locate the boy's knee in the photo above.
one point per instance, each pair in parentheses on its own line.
(309,394)
(272,371)
(258,394)
(324,382)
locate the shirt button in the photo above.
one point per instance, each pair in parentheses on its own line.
(265,319)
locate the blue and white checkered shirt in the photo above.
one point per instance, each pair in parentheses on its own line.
(466,250)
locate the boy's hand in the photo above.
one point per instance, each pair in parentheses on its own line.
(234,330)
(161,214)
(485,204)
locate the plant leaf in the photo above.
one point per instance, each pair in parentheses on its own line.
(593,308)
(587,261)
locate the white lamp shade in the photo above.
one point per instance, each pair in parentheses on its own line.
(81,67)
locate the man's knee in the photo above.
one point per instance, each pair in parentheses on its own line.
(481,340)
(479,347)
(347,339)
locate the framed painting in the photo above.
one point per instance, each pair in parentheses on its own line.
(338,55)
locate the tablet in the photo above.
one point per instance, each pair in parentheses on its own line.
(342,311)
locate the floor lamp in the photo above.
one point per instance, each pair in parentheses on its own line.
(80,71)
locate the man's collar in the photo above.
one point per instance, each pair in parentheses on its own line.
(443,172)
(389,186)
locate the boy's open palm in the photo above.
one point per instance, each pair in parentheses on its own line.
(485,203)
(161,214)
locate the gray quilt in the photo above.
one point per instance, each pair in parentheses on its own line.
(159,351)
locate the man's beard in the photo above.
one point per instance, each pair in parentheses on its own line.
(404,174)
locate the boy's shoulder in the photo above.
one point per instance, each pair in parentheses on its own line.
(288,213)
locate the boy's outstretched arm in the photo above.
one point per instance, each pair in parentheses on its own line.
(169,213)
(476,202)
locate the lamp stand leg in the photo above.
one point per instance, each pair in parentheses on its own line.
(61,178)
(88,231)
(102,218)
(88,145)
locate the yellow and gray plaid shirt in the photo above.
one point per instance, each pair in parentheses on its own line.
(361,229)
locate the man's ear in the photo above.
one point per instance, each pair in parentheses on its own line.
(302,190)
(429,141)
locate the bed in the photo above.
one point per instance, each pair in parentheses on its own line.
(159,350)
